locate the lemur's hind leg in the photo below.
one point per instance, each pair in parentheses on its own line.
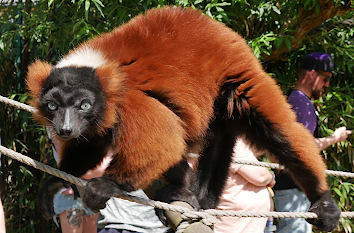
(180,180)
(260,111)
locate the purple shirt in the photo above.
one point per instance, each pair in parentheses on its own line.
(304,109)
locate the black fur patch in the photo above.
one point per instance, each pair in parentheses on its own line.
(71,78)
(82,155)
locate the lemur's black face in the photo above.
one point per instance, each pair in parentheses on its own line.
(72,100)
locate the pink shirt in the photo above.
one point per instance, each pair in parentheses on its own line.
(241,195)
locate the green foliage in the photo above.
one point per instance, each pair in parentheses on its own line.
(343,191)
(337,110)
(51,28)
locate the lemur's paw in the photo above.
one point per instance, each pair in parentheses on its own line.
(99,190)
(327,211)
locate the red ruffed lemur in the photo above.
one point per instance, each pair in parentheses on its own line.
(155,87)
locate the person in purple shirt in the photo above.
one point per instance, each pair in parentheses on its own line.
(314,77)
(304,109)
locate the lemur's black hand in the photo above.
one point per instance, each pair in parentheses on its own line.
(99,190)
(327,211)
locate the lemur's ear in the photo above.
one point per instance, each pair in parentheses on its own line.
(37,73)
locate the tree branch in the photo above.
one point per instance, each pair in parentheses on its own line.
(307,21)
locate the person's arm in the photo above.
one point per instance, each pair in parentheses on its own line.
(339,135)
(258,176)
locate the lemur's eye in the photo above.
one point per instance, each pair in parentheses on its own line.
(85,105)
(52,106)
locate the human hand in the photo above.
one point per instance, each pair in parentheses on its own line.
(341,134)
(68,191)
(272,182)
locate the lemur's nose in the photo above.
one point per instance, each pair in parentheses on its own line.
(65,132)
(66,129)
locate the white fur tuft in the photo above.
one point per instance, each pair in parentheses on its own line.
(86,56)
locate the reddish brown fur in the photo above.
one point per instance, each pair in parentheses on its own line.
(112,84)
(38,72)
(188,57)
(273,106)
(144,159)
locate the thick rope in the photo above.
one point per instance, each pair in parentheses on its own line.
(17,104)
(41,166)
(183,226)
